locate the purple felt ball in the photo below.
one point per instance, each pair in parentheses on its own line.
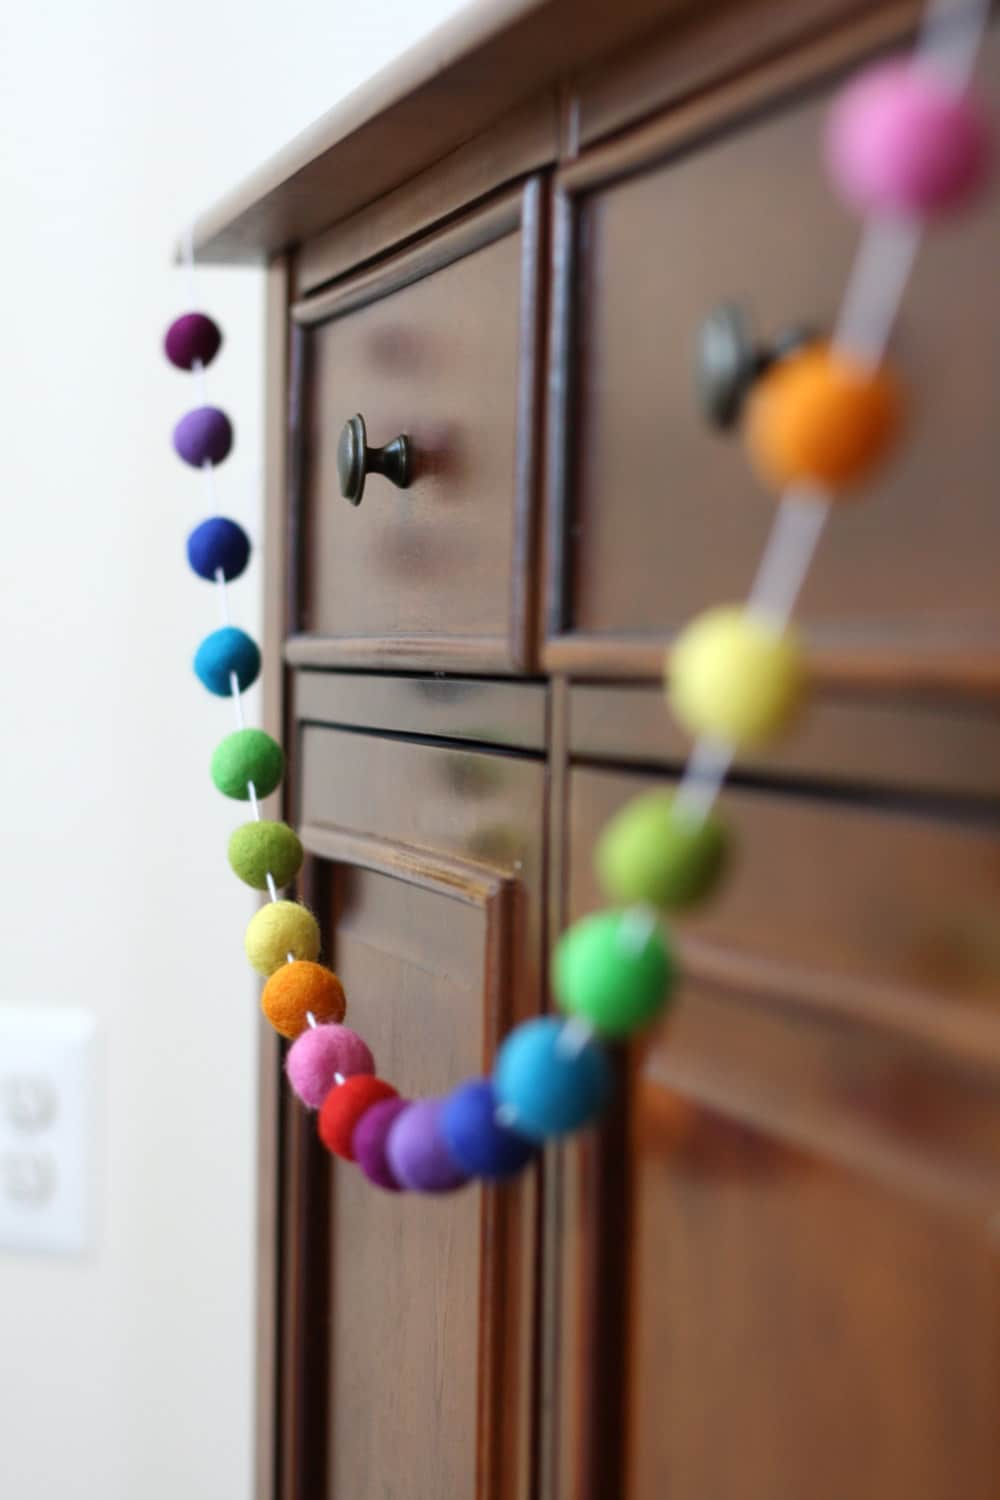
(369,1142)
(204,435)
(319,1054)
(416,1151)
(900,142)
(192,339)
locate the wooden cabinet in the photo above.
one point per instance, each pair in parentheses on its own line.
(772,1270)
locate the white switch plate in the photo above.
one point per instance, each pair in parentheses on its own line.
(48,1089)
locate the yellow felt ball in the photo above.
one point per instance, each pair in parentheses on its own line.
(821,418)
(734,678)
(279,929)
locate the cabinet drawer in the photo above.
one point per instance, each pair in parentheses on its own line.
(812,1150)
(439,345)
(658,515)
(431,907)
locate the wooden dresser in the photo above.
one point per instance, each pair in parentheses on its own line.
(773,1274)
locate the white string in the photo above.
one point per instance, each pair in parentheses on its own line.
(949,41)
(222,586)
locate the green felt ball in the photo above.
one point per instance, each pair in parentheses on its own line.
(615,970)
(244,756)
(257,850)
(652,854)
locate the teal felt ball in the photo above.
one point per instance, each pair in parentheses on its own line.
(247,755)
(257,850)
(653,854)
(614,970)
(547,1082)
(223,653)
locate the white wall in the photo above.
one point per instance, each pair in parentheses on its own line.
(129,1373)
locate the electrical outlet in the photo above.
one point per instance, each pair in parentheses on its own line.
(47,1116)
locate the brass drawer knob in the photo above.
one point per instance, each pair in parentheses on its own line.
(729,361)
(355,460)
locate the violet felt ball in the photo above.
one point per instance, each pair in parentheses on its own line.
(218,543)
(370,1137)
(417,1155)
(319,1054)
(203,436)
(546,1084)
(901,143)
(477,1141)
(192,339)
(223,652)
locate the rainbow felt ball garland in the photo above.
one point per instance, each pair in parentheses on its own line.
(904,144)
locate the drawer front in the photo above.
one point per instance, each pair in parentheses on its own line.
(812,1149)
(438,345)
(431,907)
(658,514)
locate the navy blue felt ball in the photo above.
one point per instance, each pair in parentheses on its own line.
(547,1084)
(218,543)
(481,1146)
(223,652)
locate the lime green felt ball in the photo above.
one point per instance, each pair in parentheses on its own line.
(735,678)
(257,850)
(615,970)
(244,756)
(651,854)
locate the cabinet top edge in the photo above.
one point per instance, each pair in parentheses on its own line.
(458,82)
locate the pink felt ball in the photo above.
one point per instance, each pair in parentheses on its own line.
(901,143)
(319,1054)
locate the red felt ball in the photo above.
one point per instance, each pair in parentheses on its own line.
(343,1107)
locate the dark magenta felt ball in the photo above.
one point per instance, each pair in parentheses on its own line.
(203,436)
(417,1155)
(221,654)
(192,339)
(480,1145)
(218,543)
(370,1136)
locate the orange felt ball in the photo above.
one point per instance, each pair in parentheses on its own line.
(818,417)
(299,987)
(343,1107)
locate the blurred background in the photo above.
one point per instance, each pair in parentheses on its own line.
(128,1369)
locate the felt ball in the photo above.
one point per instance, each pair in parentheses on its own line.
(218,543)
(298,989)
(203,436)
(344,1107)
(614,970)
(416,1152)
(369,1142)
(192,339)
(223,652)
(900,142)
(545,1086)
(281,928)
(476,1139)
(816,417)
(319,1054)
(245,756)
(733,677)
(652,853)
(264,848)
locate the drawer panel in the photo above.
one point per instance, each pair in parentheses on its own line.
(812,1151)
(660,514)
(438,344)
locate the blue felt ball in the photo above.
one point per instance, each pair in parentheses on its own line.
(218,543)
(223,652)
(546,1085)
(481,1146)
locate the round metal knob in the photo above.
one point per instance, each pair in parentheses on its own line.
(355,460)
(729,361)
